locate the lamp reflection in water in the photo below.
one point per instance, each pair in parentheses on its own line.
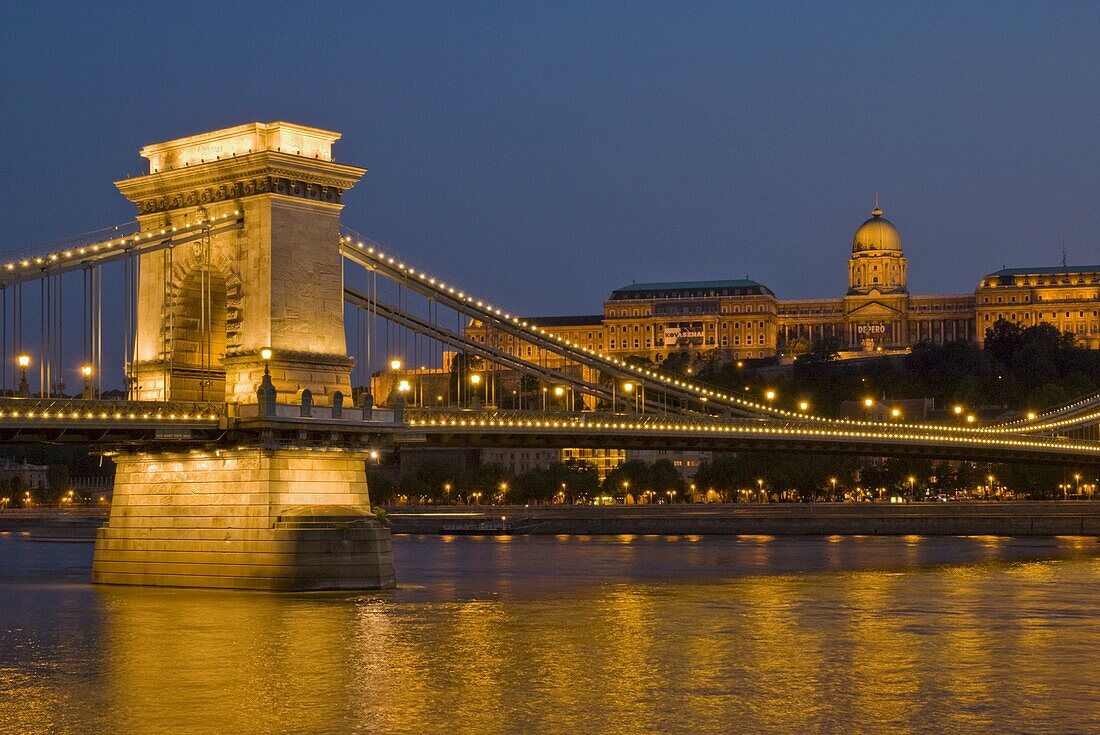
(646,635)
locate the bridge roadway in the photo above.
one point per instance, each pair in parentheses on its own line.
(131,424)
(523,429)
(110,423)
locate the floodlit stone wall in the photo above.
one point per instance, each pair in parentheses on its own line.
(249,518)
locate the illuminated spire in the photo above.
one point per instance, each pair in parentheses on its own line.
(876,212)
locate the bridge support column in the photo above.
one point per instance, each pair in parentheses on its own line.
(261,519)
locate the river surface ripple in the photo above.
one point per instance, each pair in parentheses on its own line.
(575,634)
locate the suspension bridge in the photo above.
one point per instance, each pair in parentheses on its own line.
(248,327)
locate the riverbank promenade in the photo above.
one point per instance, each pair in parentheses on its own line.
(1040,518)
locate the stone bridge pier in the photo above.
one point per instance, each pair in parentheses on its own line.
(254,515)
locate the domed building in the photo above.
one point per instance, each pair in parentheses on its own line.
(877,310)
(742,319)
(877,263)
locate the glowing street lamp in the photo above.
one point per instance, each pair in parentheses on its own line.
(832,481)
(958,410)
(803,406)
(265,355)
(770,395)
(86,372)
(395,364)
(895,412)
(24,361)
(1031,415)
(868,402)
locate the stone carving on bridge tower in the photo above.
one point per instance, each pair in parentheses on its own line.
(206,308)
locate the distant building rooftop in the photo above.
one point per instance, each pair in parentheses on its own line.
(565,321)
(690,289)
(1051,271)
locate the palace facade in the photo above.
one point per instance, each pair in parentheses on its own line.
(743,319)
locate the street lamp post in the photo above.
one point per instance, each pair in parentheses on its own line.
(475,381)
(24,361)
(86,373)
(832,481)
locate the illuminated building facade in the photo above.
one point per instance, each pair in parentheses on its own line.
(1067,297)
(743,319)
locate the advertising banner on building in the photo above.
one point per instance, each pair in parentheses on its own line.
(683,333)
(875,332)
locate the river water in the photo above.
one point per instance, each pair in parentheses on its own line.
(575,635)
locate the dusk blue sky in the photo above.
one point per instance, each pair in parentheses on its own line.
(543,154)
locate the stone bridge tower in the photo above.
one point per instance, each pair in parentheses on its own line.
(270,278)
(267,507)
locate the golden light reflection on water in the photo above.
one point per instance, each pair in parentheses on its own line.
(946,647)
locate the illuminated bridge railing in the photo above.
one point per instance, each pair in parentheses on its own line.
(804,432)
(74,410)
(1083,411)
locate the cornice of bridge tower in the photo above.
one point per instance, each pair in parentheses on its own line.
(257,158)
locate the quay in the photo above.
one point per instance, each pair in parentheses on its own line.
(1040,518)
